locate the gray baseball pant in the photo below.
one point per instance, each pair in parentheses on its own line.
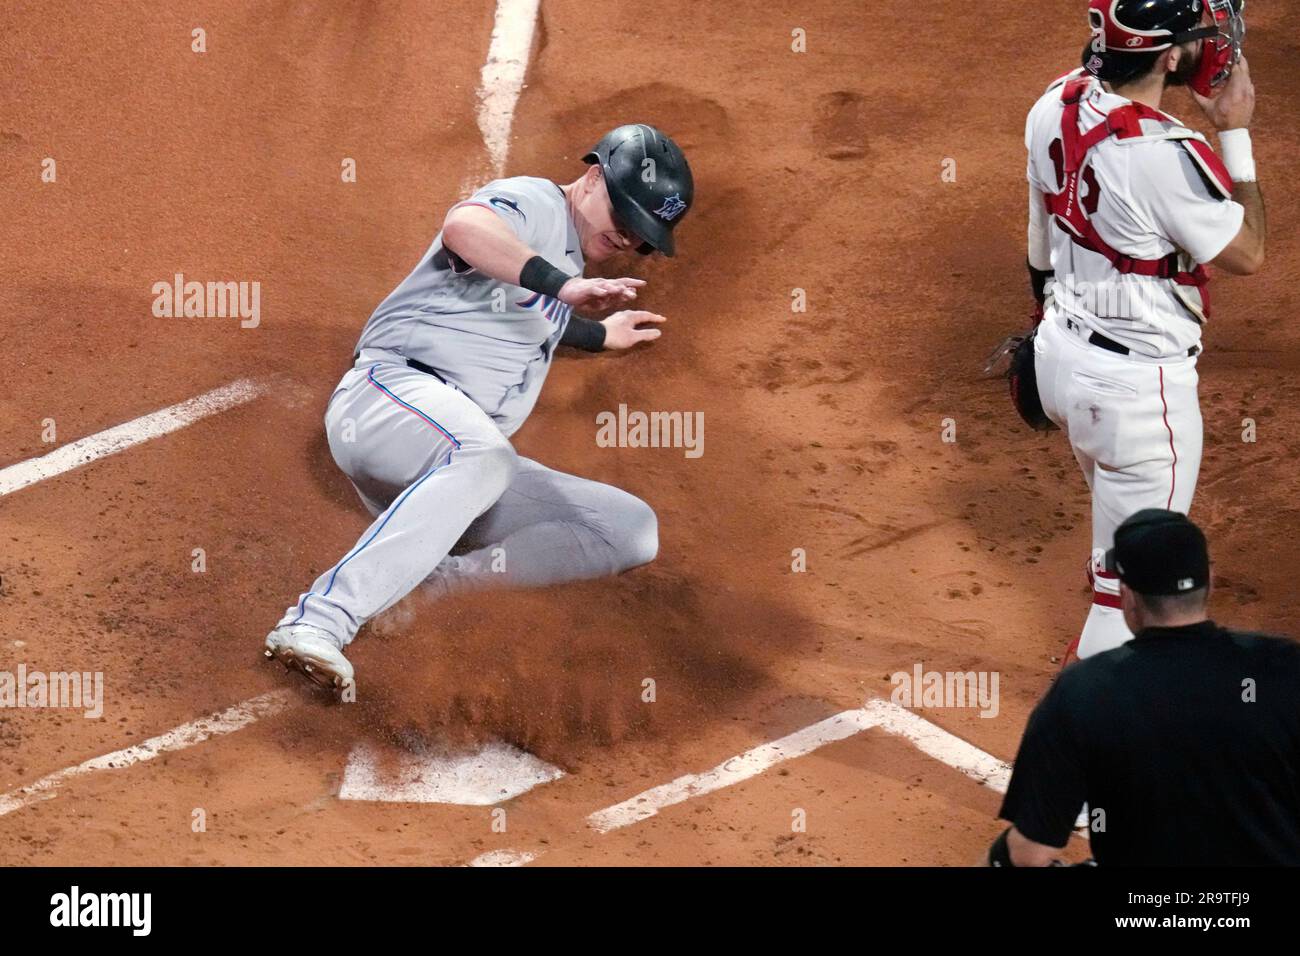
(437,474)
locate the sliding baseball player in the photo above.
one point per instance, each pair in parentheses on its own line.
(449,367)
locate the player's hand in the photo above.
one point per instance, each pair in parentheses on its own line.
(623,329)
(598,295)
(1234,107)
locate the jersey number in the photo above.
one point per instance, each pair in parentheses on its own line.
(1089,178)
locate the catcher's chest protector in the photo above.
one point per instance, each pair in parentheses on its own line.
(1069,206)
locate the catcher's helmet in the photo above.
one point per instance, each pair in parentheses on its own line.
(648,180)
(1122,28)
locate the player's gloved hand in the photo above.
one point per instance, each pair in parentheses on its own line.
(1234,107)
(623,329)
(598,295)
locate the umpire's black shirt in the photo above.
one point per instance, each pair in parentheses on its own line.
(1184,743)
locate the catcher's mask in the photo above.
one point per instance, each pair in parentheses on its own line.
(1121,28)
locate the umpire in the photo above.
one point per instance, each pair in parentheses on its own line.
(1184,743)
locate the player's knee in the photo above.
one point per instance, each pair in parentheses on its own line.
(497,463)
(636,538)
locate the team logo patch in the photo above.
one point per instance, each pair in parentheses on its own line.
(1095,65)
(672,207)
(502,203)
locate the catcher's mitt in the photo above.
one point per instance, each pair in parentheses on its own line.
(1018,351)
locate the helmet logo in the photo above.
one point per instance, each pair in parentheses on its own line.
(1134,41)
(672,207)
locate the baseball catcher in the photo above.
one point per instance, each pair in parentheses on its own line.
(450,365)
(1126,207)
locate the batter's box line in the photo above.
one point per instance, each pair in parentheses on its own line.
(121,437)
(933,741)
(233,718)
(890,717)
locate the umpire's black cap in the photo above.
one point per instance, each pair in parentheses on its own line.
(1160,552)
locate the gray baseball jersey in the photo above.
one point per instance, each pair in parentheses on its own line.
(492,340)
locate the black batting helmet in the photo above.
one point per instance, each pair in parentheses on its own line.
(649,182)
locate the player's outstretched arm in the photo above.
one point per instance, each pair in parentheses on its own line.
(622,330)
(626,329)
(487,243)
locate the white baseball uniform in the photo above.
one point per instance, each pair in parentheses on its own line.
(1116,351)
(428,449)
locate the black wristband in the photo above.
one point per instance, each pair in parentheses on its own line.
(538,275)
(585,334)
(1038,279)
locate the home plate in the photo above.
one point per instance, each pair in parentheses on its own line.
(488,776)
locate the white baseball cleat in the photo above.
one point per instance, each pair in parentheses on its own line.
(312,652)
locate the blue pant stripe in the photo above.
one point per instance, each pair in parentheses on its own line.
(302,604)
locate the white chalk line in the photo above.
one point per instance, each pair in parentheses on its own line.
(930,739)
(502,80)
(76,455)
(733,771)
(890,717)
(187,735)
(121,437)
(936,742)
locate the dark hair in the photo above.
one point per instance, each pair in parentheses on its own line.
(1118,67)
(1162,606)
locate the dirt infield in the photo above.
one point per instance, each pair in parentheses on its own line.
(818,171)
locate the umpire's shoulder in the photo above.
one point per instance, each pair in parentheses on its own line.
(1281,651)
